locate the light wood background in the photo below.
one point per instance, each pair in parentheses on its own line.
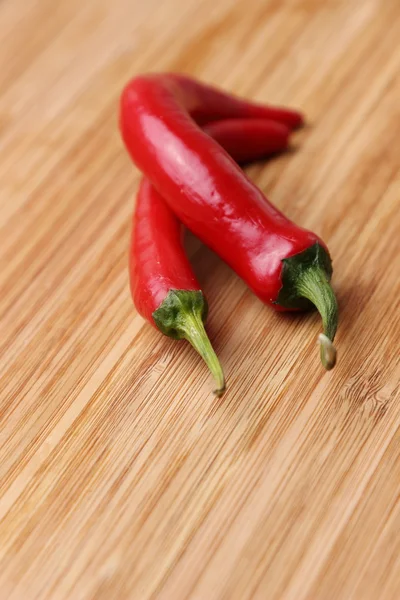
(121,476)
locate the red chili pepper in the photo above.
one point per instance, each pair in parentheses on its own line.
(247,140)
(286,266)
(164,288)
(206,103)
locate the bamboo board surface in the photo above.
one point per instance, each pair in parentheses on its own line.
(121,476)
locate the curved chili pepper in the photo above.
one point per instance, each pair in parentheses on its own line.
(286,266)
(164,288)
(205,103)
(247,140)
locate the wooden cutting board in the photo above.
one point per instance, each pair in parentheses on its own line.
(121,476)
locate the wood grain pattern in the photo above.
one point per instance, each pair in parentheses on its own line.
(121,476)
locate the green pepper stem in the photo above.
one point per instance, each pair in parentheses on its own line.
(181,316)
(314,285)
(195,333)
(305,279)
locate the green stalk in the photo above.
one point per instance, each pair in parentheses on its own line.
(196,335)
(305,280)
(314,285)
(182,316)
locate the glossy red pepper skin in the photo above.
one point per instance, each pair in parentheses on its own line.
(247,140)
(203,185)
(157,259)
(158,262)
(282,263)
